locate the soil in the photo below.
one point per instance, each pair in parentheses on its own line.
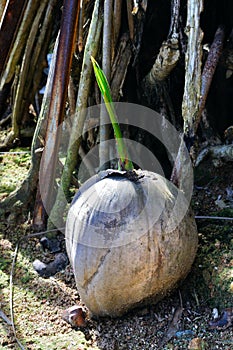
(180,321)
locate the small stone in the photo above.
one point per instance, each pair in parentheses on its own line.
(75,316)
(196,344)
(48,270)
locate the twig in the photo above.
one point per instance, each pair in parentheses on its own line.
(11,297)
(181,301)
(9,153)
(117,20)
(71,96)
(173,326)
(198,217)
(5,318)
(80,28)
(9,23)
(24,72)
(209,70)
(130,20)
(120,66)
(19,43)
(174,26)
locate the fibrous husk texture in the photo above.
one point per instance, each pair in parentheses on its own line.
(130,237)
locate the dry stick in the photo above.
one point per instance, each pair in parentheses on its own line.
(5,318)
(120,66)
(106,66)
(130,20)
(208,72)
(213,217)
(91,48)
(117,20)
(71,96)
(20,42)
(80,28)
(175,13)
(11,298)
(24,72)
(5,120)
(58,99)
(40,50)
(9,24)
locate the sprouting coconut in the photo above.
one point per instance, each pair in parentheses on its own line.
(130,235)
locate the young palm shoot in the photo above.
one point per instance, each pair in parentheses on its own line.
(124,161)
(130,239)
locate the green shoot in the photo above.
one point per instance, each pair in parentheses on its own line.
(125,162)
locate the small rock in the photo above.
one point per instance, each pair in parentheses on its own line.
(51,244)
(75,316)
(196,344)
(220,203)
(48,270)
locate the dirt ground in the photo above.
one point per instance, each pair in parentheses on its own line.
(180,321)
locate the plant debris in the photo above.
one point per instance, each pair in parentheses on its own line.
(225,321)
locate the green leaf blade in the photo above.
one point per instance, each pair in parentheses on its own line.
(104,87)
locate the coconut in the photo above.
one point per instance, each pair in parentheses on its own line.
(130,238)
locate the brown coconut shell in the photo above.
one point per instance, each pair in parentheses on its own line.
(130,238)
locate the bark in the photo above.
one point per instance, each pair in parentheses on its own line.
(28,79)
(80,28)
(12,15)
(117,19)
(106,66)
(169,53)
(120,66)
(208,72)
(192,89)
(130,20)
(20,42)
(193,59)
(221,153)
(19,104)
(165,62)
(58,99)
(91,48)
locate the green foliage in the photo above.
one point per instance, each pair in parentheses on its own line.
(125,162)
